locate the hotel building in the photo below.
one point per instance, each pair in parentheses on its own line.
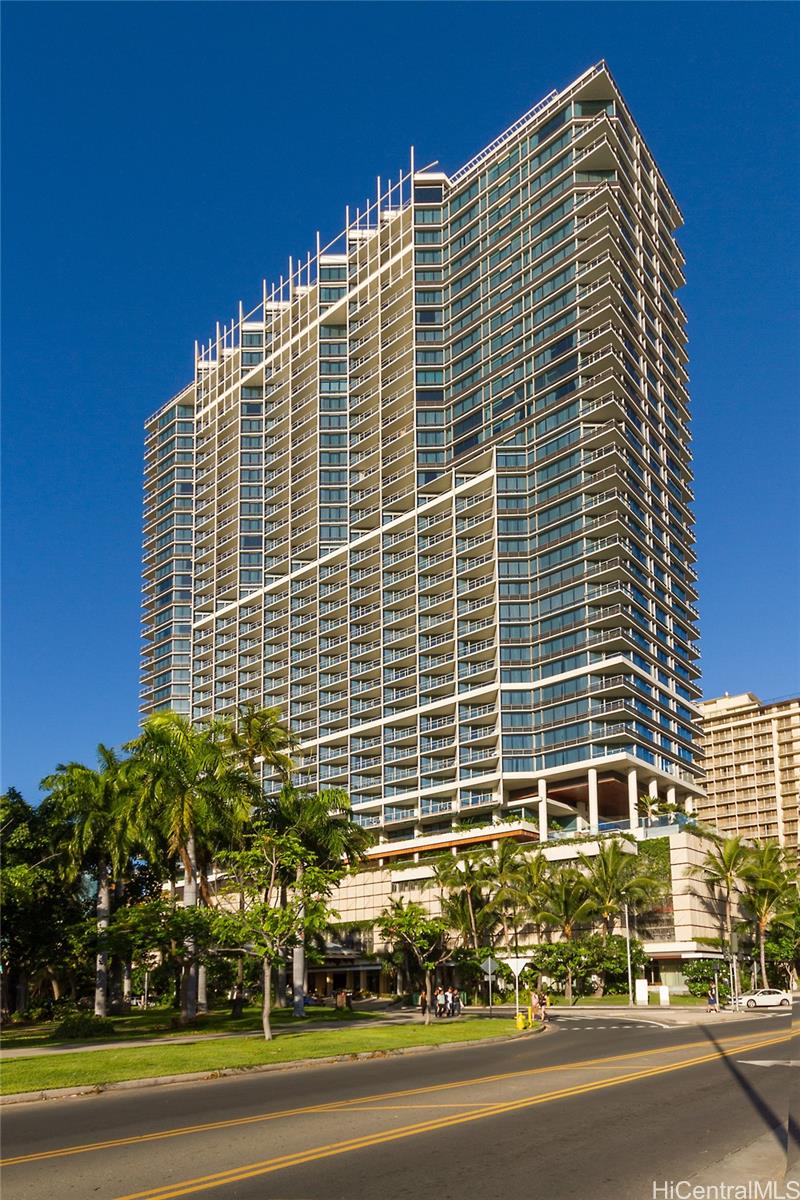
(752,765)
(432,497)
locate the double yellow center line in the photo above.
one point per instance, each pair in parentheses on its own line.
(736,1042)
(267,1166)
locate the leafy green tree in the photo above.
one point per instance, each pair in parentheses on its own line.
(95,808)
(782,945)
(576,965)
(42,932)
(266,925)
(426,938)
(700,974)
(186,786)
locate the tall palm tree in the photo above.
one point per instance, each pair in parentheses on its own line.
(567,903)
(613,880)
(768,891)
(322,823)
(187,786)
(722,870)
(97,812)
(463,873)
(501,870)
(258,736)
(534,872)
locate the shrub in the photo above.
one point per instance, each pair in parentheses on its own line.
(84,1025)
(699,974)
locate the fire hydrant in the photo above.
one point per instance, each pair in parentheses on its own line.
(520,1021)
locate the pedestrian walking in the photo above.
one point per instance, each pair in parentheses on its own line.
(713,1000)
(439,1002)
(456,1002)
(543,1005)
(423,1002)
(448,1002)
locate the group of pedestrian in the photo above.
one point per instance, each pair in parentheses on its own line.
(446,1002)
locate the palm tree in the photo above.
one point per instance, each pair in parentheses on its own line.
(186,785)
(501,870)
(95,807)
(613,880)
(722,869)
(649,807)
(464,874)
(767,895)
(533,875)
(566,903)
(322,824)
(258,736)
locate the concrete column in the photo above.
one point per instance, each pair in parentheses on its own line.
(633,798)
(672,796)
(688,804)
(594,815)
(652,788)
(542,810)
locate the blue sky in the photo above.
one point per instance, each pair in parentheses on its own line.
(160,159)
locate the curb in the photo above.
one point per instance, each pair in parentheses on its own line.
(124,1085)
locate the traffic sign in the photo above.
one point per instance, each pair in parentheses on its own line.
(490,965)
(517,965)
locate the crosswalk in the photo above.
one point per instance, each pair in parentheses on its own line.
(580,1026)
(584,1023)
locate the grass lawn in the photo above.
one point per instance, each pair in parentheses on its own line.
(157,1023)
(622,1001)
(582,1001)
(109,1066)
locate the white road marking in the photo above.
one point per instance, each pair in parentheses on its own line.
(770,1062)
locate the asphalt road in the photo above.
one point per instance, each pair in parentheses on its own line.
(585,1110)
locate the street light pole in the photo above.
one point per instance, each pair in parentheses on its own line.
(628,953)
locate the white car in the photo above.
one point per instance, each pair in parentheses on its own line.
(765,998)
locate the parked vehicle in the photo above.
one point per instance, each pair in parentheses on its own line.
(765,998)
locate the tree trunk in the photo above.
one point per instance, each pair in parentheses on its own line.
(568,987)
(504,922)
(429,996)
(55,984)
(202,988)
(189,997)
(299,958)
(126,982)
(266,975)
(101,962)
(21,992)
(281,984)
(762,953)
(472,924)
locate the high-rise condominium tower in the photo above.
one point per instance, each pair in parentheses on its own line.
(431,497)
